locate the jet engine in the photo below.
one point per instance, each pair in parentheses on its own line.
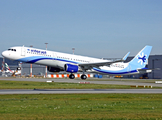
(71,68)
(53,69)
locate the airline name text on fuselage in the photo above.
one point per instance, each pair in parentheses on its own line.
(117,65)
(37,51)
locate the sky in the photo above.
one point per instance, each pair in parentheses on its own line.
(96,28)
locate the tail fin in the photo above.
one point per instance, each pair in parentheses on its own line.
(141,59)
(7,67)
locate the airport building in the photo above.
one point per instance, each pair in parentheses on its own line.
(155,61)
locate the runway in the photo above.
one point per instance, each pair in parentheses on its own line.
(92,81)
(80,91)
(89,91)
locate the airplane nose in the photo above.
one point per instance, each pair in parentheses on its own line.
(4,53)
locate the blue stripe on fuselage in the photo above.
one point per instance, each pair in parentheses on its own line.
(114,72)
(39,58)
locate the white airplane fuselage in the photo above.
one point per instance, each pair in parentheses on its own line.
(59,60)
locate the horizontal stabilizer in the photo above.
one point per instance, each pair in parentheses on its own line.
(147,70)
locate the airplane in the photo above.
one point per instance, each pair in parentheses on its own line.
(57,61)
(14,72)
(9,71)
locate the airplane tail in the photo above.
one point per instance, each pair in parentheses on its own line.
(141,59)
(7,67)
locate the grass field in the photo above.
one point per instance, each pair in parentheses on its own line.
(77,106)
(54,85)
(81,106)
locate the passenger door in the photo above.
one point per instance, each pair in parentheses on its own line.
(23,50)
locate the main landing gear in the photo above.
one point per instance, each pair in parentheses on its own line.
(83,76)
(71,76)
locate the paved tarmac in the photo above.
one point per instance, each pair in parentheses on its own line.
(96,81)
(73,91)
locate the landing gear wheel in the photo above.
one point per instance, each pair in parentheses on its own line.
(83,77)
(71,76)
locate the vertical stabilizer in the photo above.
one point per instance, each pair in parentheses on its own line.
(7,67)
(141,59)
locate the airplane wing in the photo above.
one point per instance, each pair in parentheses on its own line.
(86,66)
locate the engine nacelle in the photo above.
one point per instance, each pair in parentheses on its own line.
(71,68)
(53,69)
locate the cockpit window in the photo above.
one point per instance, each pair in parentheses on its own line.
(12,50)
